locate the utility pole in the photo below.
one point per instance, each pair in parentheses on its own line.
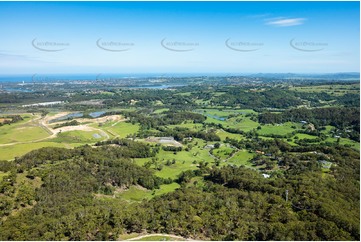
(286,195)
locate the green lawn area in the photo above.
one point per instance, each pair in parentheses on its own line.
(135,193)
(22,131)
(12,151)
(120,129)
(161,110)
(242,122)
(335,90)
(278,129)
(222,152)
(184,160)
(128,236)
(328,129)
(305,136)
(344,141)
(224,112)
(223,134)
(189,125)
(159,238)
(2,174)
(240,158)
(78,136)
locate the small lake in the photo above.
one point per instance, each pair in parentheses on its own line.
(96,114)
(215,117)
(97,136)
(68,116)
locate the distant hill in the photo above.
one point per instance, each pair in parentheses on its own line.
(326,76)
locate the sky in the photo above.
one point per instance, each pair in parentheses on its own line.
(179,37)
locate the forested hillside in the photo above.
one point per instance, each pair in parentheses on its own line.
(57,194)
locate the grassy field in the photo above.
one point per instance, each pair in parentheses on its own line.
(12,151)
(224,134)
(242,122)
(184,160)
(222,152)
(189,125)
(2,174)
(225,112)
(135,193)
(336,90)
(78,136)
(344,141)
(159,238)
(23,131)
(119,129)
(278,129)
(304,136)
(128,236)
(161,110)
(242,157)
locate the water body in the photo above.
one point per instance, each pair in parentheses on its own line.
(17,90)
(96,114)
(68,116)
(155,87)
(216,117)
(38,77)
(97,136)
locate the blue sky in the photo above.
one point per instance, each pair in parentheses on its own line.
(179,37)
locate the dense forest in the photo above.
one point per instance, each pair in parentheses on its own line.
(234,203)
(228,159)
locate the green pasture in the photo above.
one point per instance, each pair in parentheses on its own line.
(17,150)
(278,129)
(222,152)
(135,193)
(242,157)
(22,131)
(120,129)
(78,136)
(224,134)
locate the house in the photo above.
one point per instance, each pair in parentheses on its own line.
(166,139)
(266,175)
(325,164)
(209,147)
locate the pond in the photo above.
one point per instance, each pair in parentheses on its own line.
(96,114)
(215,117)
(68,116)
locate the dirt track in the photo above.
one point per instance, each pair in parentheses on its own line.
(44,123)
(150,235)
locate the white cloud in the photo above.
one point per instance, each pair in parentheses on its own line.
(285,22)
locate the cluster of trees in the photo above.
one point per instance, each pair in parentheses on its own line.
(157,120)
(335,116)
(239,204)
(69,123)
(233,203)
(172,148)
(180,134)
(10,119)
(339,117)
(129,148)
(270,98)
(31,97)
